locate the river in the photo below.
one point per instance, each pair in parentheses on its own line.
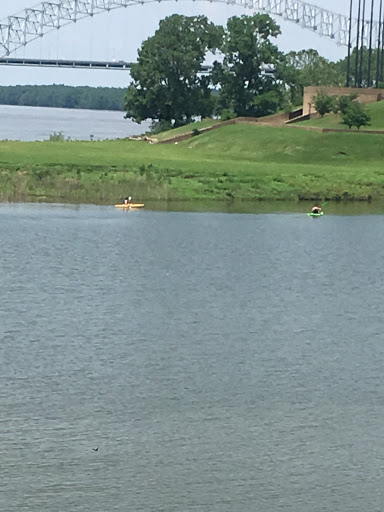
(38,123)
(219,362)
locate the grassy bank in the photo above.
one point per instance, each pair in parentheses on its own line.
(234,162)
(375,111)
(184,129)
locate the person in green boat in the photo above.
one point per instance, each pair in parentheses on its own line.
(316,209)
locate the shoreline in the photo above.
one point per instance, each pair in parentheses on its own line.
(235,163)
(225,207)
(103,186)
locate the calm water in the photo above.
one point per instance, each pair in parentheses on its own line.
(224,363)
(38,123)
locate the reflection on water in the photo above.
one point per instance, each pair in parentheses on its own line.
(258,207)
(245,207)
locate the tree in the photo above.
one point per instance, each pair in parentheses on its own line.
(361,79)
(315,69)
(323,103)
(246,49)
(267,103)
(166,85)
(307,67)
(355,115)
(343,102)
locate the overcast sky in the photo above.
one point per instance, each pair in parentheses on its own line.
(119,33)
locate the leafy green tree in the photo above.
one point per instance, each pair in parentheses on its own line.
(246,49)
(227,114)
(363,64)
(355,115)
(305,68)
(166,81)
(315,69)
(343,102)
(324,103)
(335,105)
(267,103)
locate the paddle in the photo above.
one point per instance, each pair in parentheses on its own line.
(323,204)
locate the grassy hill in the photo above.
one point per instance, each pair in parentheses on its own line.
(184,129)
(241,162)
(375,110)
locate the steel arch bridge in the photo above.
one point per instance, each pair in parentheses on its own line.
(19,30)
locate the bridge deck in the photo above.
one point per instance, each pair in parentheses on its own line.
(69,63)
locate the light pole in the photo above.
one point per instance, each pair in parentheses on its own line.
(357,46)
(349,43)
(370,47)
(378,46)
(362,46)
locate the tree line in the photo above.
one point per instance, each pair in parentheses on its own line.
(168,87)
(63,96)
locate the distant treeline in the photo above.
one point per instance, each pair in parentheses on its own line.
(63,96)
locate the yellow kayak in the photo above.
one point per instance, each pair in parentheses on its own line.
(132,205)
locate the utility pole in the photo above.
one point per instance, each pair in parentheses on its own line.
(362,46)
(370,47)
(349,43)
(378,46)
(357,46)
(382,50)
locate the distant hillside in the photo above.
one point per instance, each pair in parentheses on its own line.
(63,96)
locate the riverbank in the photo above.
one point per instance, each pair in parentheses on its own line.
(239,162)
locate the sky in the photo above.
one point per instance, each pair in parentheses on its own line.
(120,33)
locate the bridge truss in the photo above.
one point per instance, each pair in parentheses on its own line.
(19,30)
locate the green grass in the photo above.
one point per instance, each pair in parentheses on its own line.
(375,110)
(187,128)
(244,162)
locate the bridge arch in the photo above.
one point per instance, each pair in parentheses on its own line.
(32,23)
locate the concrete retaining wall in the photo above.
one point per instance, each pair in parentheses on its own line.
(364,95)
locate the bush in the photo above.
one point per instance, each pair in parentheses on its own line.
(57,137)
(355,115)
(324,103)
(227,114)
(266,104)
(343,102)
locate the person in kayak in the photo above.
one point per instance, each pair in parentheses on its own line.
(316,209)
(128,200)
